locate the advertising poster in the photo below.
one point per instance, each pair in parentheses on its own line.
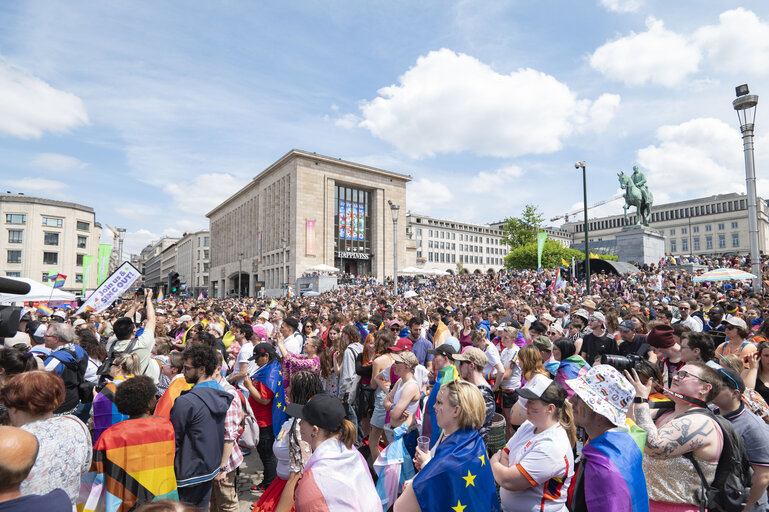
(309,233)
(342,213)
(361,223)
(354,220)
(348,221)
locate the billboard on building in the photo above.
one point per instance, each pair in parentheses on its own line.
(352,220)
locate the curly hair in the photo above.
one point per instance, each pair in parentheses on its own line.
(202,355)
(135,396)
(304,385)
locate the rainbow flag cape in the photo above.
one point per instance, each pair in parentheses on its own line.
(105,413)
(559,283)
(160,296)
(431,428)
(614,461)
(271,376)
(43,309)
(59,280)
(133,463)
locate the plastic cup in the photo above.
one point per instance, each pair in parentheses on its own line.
(423,443)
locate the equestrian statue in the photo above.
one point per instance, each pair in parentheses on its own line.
(637,194)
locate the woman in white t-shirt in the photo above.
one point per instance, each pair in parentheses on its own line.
(533,371)
(535,468)
(510,381)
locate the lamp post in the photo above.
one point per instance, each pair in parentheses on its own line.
(240,274)
(284,243)
(745,105)
(581,165)
(394,210)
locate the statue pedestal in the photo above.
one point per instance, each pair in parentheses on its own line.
(641,245)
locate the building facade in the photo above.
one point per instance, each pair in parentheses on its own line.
(150,262)
(447,244)
(44,235)
(304,210)
(193,260)
(712,226)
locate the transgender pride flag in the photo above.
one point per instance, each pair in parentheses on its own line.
(614,479)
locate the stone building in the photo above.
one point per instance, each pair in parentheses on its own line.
(303,210)
(192,261)
(43,235)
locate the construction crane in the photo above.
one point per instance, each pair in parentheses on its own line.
(580,210)
(116,256)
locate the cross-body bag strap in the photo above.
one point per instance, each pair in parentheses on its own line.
(705,485)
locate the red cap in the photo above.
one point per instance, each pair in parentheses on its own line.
(402,344)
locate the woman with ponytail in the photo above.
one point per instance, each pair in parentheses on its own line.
(535,469)
(336,477)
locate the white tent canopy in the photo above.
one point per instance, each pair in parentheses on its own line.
(411,270)
(322,268)
(37,292)
(438,272)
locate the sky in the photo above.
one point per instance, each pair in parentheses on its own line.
(153,113)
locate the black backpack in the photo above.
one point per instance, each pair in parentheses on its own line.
(75,384)
(731,486)
(103,371)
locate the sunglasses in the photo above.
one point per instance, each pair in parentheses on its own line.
(551,333)
(682,374)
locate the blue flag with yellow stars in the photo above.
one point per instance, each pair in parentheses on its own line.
(271,376)
(458,478)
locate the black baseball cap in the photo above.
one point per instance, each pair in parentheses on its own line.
(443,350)
(261,349)
(293,322)
(322,410)
(731,379)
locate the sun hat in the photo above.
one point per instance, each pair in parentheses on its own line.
(588,304)
(265,315)
(599,316)
(406,357)
(185,318)
(548,317)
(736,321)
(605,391)
(322,410)
(78,322)
(474,355)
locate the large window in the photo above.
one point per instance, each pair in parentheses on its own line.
(50,258)
(685,244)
(52,222)
(673,246)
(735,240)
(82,241)
(83,226)
(13,274)
(708,242)
(15,218)
(14,256)
(79,260)
(78,278)
(51,239)
(15,236)
(696,242)
(722,241)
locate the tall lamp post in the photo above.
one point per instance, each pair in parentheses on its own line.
(240,274)
(394,210)
(284,243)
(581,165)
(745,105)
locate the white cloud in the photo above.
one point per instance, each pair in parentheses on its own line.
(693,159)
(348,121)
(424,194)
(485,182)
(29,106)
(450,103)
(739,43)
(38,187)
(204,192)
(622,5)
(657,56)
(57,162)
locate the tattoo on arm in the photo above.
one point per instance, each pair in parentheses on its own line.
(676,435)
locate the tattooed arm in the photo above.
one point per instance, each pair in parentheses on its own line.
(676,437)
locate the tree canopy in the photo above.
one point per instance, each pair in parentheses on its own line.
(520,231)
(525,257)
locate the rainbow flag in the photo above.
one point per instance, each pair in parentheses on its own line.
(88,308)
(43,309)
(200,296)
(160,296)
(59,280)
(105,413)
(290,291)
(133,463)
(559,283)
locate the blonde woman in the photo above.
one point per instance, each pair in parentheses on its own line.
(532,369)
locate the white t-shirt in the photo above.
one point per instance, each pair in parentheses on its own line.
(492,359)
(509,356)
(246,351)
(546,460)
(538,377)
(294,343)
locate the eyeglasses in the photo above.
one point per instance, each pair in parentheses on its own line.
(185,367)
(682,374)
(551,333)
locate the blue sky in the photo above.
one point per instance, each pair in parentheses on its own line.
(154,112)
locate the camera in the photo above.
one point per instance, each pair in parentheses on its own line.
(622,363)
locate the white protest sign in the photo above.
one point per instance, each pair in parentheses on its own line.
(111,289)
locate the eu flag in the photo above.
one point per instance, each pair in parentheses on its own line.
(457,477)
(271,376)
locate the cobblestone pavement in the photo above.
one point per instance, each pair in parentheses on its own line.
(250,474)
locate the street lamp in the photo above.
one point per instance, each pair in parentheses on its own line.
(394,210)
(284,243)
(581,165)
(240,274)
(745,105)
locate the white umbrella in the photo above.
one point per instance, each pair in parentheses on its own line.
(37,292)
(409,293)
(438,272)
(723,274)
(322,268)
(410,270)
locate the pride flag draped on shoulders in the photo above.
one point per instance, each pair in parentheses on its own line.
(431,428)
(621,490)
(271,376)
(133,463)
(458,476)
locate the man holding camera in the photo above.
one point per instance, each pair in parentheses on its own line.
(124,329)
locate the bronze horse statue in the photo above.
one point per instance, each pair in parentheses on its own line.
(638,196)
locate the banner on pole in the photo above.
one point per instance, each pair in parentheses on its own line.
(541,237)
(87,260)
(111,289)
(105,251)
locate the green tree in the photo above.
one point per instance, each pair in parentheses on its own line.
(520,231)
(525,257)
(461,268)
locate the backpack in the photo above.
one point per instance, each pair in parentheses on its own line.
(103,371)
(731,485)
(74,376)
(248,436)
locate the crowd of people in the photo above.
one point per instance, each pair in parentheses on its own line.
(511,392)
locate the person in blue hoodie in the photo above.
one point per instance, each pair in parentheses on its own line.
(198,419)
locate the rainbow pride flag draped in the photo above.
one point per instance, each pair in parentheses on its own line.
(614,478)
(271,376)
(559,283)
(105,413)
(44,310)
(200,296)
(133,463)
(431,428)
(570,368)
